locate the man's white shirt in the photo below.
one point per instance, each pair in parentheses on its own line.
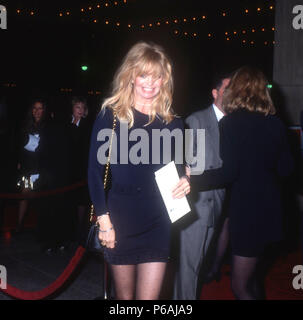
(218,112)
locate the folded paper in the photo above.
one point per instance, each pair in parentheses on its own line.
(167,178)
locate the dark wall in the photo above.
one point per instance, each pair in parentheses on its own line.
(288,61)
(44,53)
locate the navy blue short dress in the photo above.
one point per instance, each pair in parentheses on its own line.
(135,204)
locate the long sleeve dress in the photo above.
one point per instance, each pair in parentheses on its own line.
(135,204)
(256,157)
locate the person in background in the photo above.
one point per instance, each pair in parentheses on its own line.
(79,130)
(54,230)
(196,236)
(256,160)
(28,164)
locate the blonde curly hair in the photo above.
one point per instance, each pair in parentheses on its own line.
(142,58)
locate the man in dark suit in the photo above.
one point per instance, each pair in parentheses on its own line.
(196,236)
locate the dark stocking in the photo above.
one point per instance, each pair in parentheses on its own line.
(149,280)
(221,248)
(124,280)
(142,281)
(243,278)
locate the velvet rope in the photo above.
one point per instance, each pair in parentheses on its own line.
(40,194)
(53,287)
(46,292)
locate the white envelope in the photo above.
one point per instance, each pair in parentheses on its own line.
(167,178)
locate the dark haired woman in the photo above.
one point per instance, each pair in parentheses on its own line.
(45,162)
(256,158)
(29,156)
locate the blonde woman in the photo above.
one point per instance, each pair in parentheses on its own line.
(134,224)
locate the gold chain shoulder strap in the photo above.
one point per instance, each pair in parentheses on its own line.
(109,151)
(107,162)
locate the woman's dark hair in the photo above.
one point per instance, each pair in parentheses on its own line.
(30,126)
(248,90)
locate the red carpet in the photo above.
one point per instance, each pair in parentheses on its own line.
(278,283)
(11,217)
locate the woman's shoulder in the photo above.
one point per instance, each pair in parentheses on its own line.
(177,122)
(104,112)
(243,116)
(245,120)
(239,120)
(104,117)
(239,114)
(275,121)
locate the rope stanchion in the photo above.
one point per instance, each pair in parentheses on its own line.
(40,194)
(52,288)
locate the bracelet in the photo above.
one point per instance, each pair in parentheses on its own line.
(111,228)
(103,214)
(187,178)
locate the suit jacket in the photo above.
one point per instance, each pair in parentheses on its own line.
(79,140)
(207,204)
(54,162)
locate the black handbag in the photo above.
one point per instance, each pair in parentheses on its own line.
(93,243)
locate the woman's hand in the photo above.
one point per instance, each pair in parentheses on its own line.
(182,188)
(108,236)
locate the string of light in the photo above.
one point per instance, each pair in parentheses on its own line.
(171,22)
(66,12)
(116,3)
(211,36)
(91,92)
